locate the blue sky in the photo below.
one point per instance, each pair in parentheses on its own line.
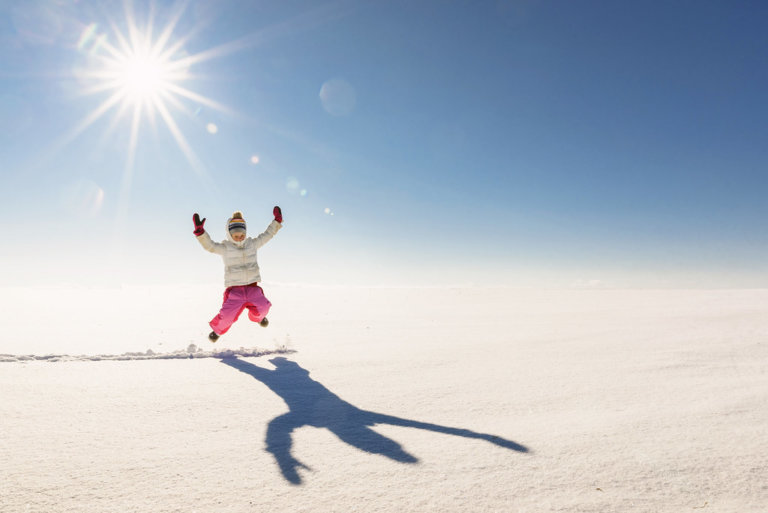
(527,143)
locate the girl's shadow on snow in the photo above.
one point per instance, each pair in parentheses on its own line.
(311,404)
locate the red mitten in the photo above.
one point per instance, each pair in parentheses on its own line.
(199,225)
(278,214)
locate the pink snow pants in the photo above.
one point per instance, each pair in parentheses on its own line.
(237,299)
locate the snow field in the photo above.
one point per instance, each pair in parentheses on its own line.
(626,401)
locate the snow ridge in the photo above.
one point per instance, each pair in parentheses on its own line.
(190,352)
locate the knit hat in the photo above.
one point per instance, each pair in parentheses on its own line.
(237,223)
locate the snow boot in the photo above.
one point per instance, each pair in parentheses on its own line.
(213,337)
(264,322)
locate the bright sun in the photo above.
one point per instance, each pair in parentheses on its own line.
(141,76)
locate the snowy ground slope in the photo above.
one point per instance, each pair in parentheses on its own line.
(393,400)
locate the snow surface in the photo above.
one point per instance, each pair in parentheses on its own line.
(385,400)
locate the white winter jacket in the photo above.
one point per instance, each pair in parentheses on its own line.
(240,265)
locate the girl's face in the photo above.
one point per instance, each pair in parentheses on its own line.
(238,237)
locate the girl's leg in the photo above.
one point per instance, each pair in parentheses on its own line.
(234,302)
(258,305)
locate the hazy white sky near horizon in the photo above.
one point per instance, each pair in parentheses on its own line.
(526,142)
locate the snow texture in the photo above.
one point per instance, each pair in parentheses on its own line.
(390,400)
(191,352)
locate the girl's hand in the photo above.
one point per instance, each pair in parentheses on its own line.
(199,225)
(278,214)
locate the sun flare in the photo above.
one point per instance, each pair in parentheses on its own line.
(141,77)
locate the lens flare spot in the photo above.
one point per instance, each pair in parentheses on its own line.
(84,198)
(212,128)
(338,97)
(88,35)
(91,42)
(255,159)
(292,184)
(328,211)
(303,192)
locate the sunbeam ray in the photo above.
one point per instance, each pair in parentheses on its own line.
(141,71)
(200,99)
(192,158)
(95,115)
